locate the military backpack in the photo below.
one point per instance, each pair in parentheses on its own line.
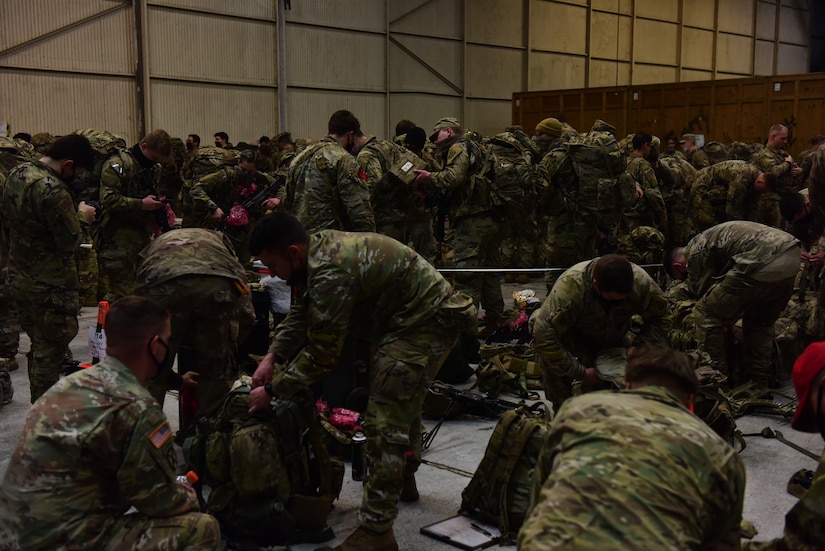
(13,152)
(510,170)
(500,489)
(599,163)
(716,152)
(271,478)
(105,145)
(207,160)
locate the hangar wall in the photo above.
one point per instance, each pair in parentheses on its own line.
(201,66)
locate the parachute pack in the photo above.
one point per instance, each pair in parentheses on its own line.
(13,152)
(599,163)
(510,169)
(207,160)
(716,152)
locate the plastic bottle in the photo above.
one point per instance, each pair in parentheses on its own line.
(188,479)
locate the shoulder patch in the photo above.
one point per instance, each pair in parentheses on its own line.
(161,435)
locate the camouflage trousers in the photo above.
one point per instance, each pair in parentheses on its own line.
(210,315)
(767,210)
(759,304)
(9,323)
(609,363)
(476,244)
(49,317)
(569,241)
(118,257)
(417,234)
(189,531)
(402,371)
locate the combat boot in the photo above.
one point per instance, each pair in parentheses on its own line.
(409,491)
(509,278)
(523,279)
(367,540)
(6,390)
(12,363)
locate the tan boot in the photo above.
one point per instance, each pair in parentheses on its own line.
(523,279)
(366,540)
(409,492)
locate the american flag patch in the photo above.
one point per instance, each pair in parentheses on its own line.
(161,435)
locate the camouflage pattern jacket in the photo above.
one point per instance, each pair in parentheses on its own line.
(634,470)
(188,251)
(224,188)
(723,192)
(772,161)
(735,248)
(574,323)
(326,190)
(698,158)
(44,229)
(123,185)
(460,175)
(365,284)
(649,210)
(94,445)
(392,201)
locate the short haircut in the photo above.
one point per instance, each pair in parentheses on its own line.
(669,258)
(815,140)
(614,274)
(247,156)
(640,139)
(778,128)
(222,135)
(73,147)
(195,138)
(662,366)
(158,141)
(342,122)
(263,140)
(25,136)
(404,126)
(276,232)
(416,137)
(770,180)
(790,205)
(265,149)
(133,320)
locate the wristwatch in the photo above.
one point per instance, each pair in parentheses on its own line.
(268,389)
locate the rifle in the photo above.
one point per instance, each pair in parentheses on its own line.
(264,193)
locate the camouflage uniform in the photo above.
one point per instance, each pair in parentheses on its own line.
(676,177)
(9,324)
(574,325)
(698,158)
(195,275)
(741,270)
(772,161)
(223,189)
(325,189)
(125,228)
(399,211)
(634,470)
(44,232)
(93,446)
(649,210)
(722,192)
(477,228)
(379,290)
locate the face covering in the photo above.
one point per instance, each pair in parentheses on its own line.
(671,149)
(189,146)
(217,144)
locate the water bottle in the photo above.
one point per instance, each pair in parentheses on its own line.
(188,479)
(359,459)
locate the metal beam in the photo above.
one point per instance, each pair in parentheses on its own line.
(142,80)
(213,13)
(415,9)
(426,65)
(282,86)
(80,22)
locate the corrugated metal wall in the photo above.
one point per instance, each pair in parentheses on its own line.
(212,65)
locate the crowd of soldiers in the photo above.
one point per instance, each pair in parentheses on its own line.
(716,214)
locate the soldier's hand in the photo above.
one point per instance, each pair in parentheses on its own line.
(796,171)
(272,203)
(639,192)
(150,202)
(789,159)
(591,377)
(263,374)
(87,211)
(190,378)
(816,259)
(258,399)
(217,214)
(422,176)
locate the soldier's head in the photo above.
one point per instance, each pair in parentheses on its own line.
(548,129)
(414,139)
(808,374)
(221,139)
(403,126)
(264,140)
(778,136)
(284,141)
(670,145)
(280,241)
(675,263)
(612,277)
(642,143)
(345,129)
(193,142)
(246,163)
(795,208)
(445,131)
(662,366)
(816,140)
(137,333)
(25,136)
(70,156)
(156,145)
(765,182)
(688,142)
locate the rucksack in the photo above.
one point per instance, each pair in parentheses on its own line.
(716,152)
(500,489)
(13,152)
(271,478)
(599,163)
(207,160)
(105,145)
(510,170)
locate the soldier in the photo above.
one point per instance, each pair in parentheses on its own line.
(803,523)
(195,275)
(548,136)
(9,324)
(170,181)
(773,159)
(586,322)
(380,290)
(96,444)
(129,196)
(44,231)
(738,270)
(671,149)
(649,208)
(325,187)
(676,176)
(217,200)
(193,143)
(805,159)
(695,156)
(222,140)
(636,468)
(727,191)
(477,226)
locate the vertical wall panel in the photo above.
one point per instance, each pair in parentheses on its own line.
(423,110)
(700,13)
(792,59)
(496,22)
(367,15)
(489,117)
(567,25)
(736,16)
(733,54)
(309,111)
(439,18)
(493,73)
(699,53)
(656,42)
(556,72)
(259,9)
(612,41)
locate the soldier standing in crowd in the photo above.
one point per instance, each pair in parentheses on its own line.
(773,159)
(694,155)
(193,143)
(672,149)
(738,270)
(379,290)
(477,227)
(636,468)
(129,196)
(97,444)
(44,231)
(548,136)
(676,177)
(222,140)
(195,275)
(588,318)
(325,187)
(9,320)
(649,209)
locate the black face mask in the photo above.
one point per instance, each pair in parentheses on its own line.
(76,186)
(671,149)
(350,146)
(218,144)
(162,362)
(189,146)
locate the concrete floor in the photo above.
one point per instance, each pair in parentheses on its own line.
(461,444)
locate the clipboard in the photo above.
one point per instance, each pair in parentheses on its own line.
(463,532)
